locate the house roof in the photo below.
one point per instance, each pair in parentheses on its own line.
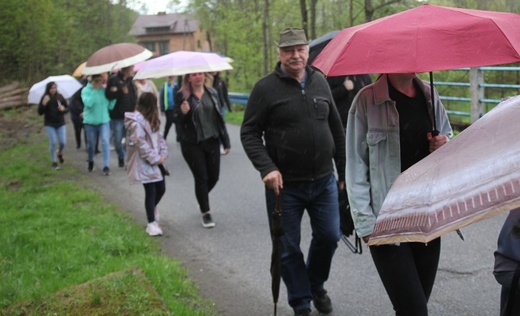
(162,23)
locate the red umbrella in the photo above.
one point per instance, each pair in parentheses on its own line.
(473,177)
(424,39)
(115,56)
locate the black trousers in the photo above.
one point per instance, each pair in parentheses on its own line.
(169,122)
(78,126)
(408,272)
(153,192)
(204,161)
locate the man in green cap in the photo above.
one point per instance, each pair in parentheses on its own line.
(293,135)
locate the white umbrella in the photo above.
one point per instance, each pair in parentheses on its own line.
(181,63)
(67,86)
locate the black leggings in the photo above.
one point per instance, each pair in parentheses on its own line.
(169,122)
(204,161)
(78,126)
(153,192)
(408,272)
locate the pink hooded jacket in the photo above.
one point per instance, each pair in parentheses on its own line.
(143,153)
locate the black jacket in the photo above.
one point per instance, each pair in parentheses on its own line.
(186,124)
(125,101)
(292,129)
(53,117)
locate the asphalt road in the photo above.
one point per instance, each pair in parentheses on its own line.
(230,263)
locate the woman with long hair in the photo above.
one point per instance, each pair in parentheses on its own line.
(200,130)
(54,106)
(146,152)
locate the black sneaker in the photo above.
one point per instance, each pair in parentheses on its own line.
(121,162)
(55,166)
(106,171)
(303,312)
(322,302)
(207,221)
(90,166)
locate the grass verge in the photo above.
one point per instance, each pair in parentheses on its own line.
(57,234)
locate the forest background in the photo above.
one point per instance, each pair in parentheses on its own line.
(40,38)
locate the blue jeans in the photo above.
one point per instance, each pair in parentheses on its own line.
(320,198)
(118,128)
(103,132)
(56,134)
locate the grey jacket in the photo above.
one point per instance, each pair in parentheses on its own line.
(143,153)
(373,149)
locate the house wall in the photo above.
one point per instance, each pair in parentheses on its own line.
(174,42)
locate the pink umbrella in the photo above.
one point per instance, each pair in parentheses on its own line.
(181,63)
(423,39)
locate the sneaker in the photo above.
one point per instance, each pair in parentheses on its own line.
(156,215)
(106,171)
(153,229)
(60,156)
(207,221)
(304,312)
(55,166)
(121,162)
(322,302)
(90,166)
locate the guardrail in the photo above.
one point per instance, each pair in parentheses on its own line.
(238,98)
(477,88)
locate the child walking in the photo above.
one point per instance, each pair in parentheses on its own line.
(146,152)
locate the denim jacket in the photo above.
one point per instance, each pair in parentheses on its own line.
(373,149)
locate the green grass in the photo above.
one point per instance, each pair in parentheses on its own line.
(237,116)
(57,233)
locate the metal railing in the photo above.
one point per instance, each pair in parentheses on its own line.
(477,88)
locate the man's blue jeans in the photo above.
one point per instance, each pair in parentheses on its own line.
(118,128)
(320,199)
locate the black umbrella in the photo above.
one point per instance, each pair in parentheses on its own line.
(317,45)
(276,260)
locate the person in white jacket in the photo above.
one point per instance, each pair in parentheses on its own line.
(146,152)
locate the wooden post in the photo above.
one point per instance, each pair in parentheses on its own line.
(476,78)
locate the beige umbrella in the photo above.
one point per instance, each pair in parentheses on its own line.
(473,177)
(115,56)
(79,70)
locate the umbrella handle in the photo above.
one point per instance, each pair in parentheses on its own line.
(435,132)
(278,207)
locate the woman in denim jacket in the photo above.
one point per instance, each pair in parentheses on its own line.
(388,130)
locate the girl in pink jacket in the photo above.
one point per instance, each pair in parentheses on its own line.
(146,152)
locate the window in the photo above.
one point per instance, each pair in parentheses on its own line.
(163,47)
(150,46)
(160,29)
